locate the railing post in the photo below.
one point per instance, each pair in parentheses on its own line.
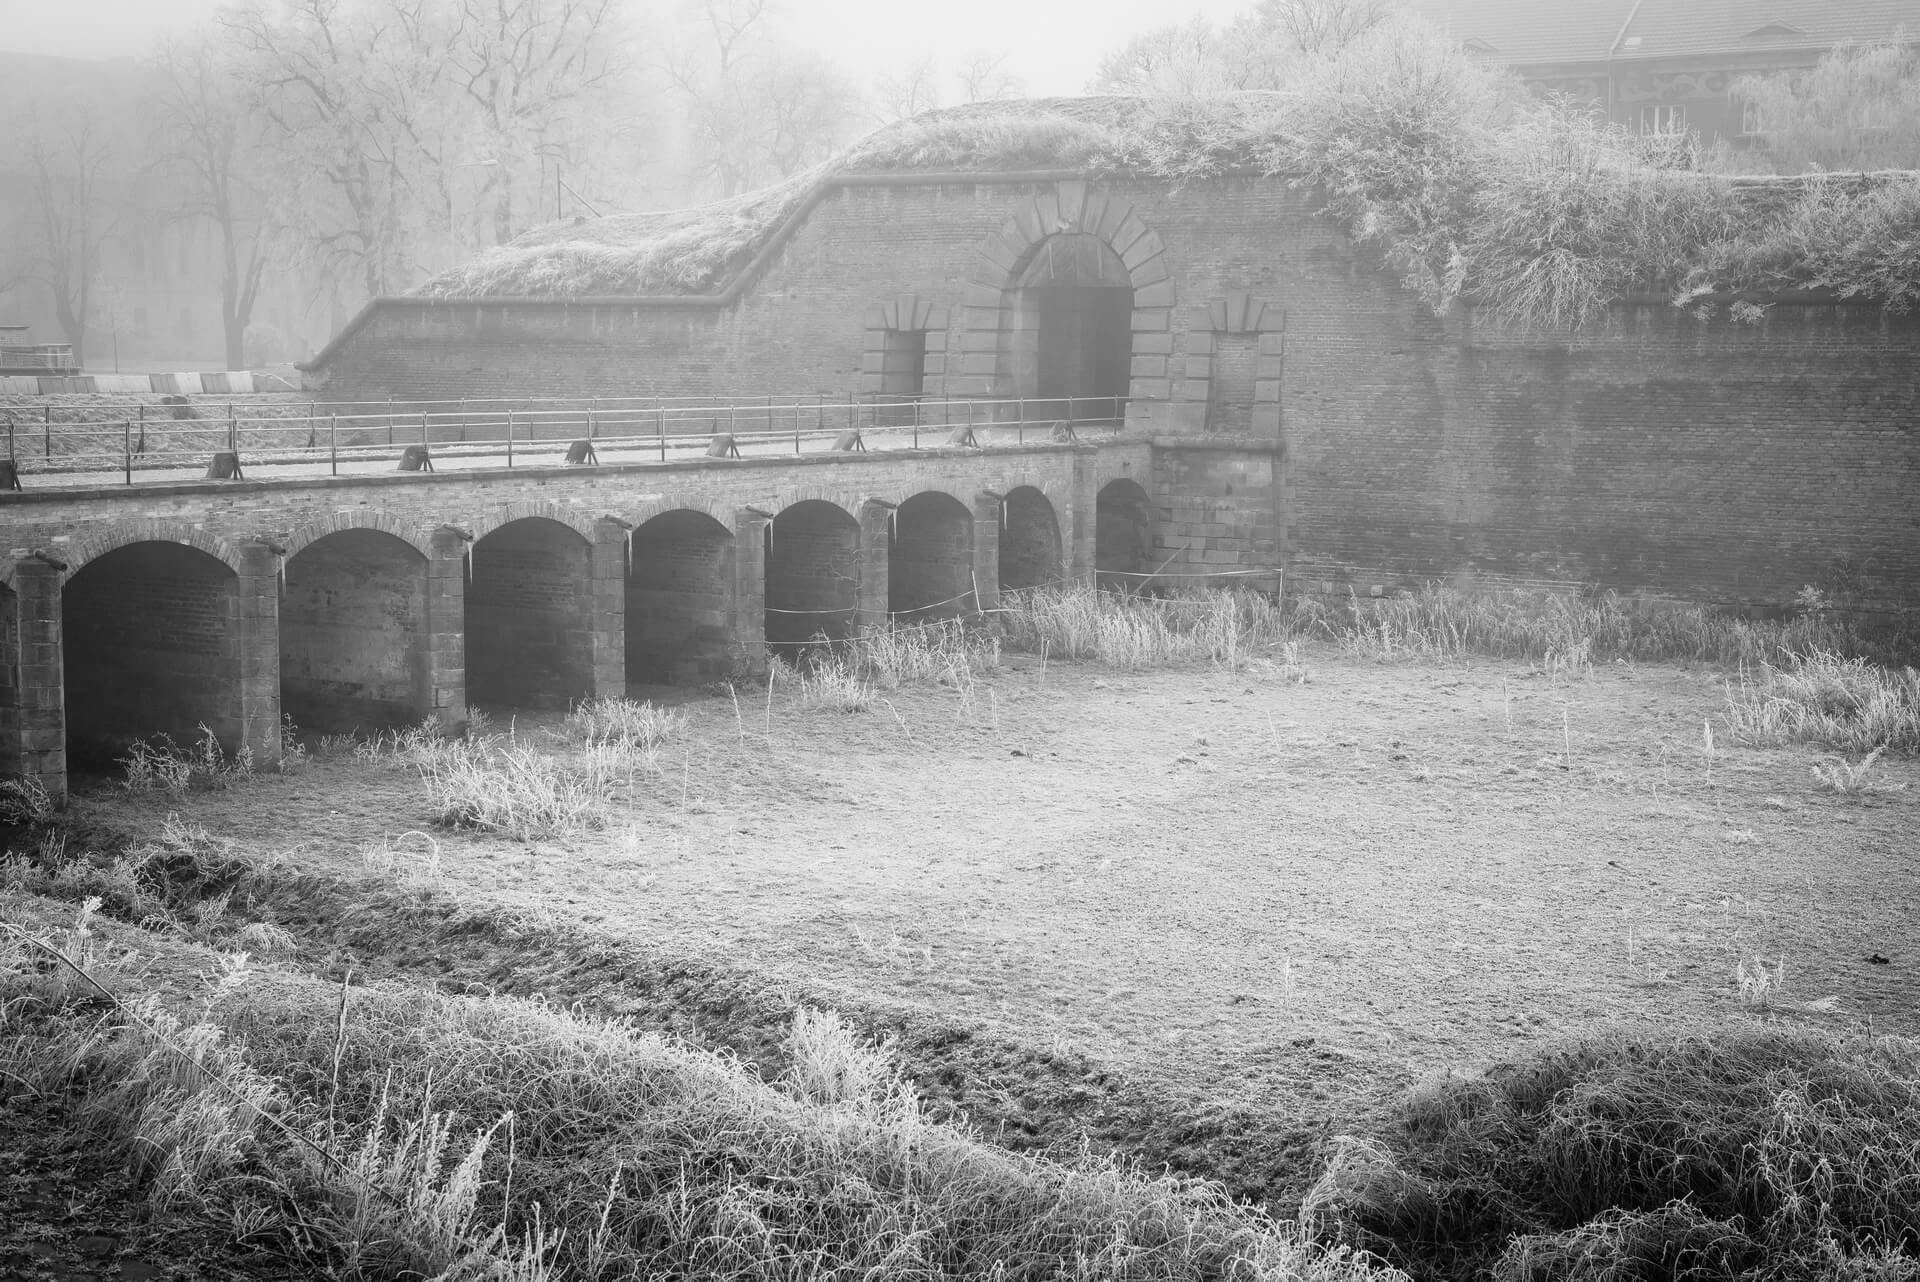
(126,451)
(333,442)
(389,420)
(463,420)
(425,442)
(49,426)
(1020,421)
(1071,416)
(661,410)
(592,407)
(509,438)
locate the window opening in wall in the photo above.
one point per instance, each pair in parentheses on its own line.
(1230,397)
(1664,119)
(903,375)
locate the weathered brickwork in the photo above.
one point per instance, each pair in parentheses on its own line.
(358,601)
(1722,462)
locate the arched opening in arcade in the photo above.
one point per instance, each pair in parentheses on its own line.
(930,558)
(530,616)
(1122,535)
(813,574)
(354,634)
(151,646)
(679,600)
(1030,553)
(1071,331)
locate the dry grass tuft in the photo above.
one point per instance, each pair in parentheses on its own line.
(1817,696)
(1760,1155)
(1130,631)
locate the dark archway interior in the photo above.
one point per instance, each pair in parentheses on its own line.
(1072,329)
(151,646)
(530,616)
(903,376)
(930,558)
(813,574)
(9,683)
(679,600)
(1029,541)
(1123,534)
(353,634)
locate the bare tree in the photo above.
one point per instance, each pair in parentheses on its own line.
(1195,58)
(755,108)
(1322,26)
(69,166)
(205,139)
(914,89)
(542,77)
(983,77)
(352,97)
(1261,50)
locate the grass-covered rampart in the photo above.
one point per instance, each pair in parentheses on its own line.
(1464,185)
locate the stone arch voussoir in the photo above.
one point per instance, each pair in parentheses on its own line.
(96,545)
(722,513)
(310,532)
(579,522)
(1069,206)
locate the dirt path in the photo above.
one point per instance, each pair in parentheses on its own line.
(1284,893)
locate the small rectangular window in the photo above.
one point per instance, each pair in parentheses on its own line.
(1750,118)
(1664,119)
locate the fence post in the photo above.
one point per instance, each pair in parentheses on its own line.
(425,441)
(463,420)
(333,442)
(233,430)
(509,438)
(1020,428)
(389,420)
(126,451)
(661,409)
(49,424)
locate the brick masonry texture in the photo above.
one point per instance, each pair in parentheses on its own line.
(1720,462)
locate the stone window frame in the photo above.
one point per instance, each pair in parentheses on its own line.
(1059,208)
(1237,313)
(904,313)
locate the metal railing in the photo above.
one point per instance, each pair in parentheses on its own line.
(318,438)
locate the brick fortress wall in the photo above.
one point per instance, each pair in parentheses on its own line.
(1349,435)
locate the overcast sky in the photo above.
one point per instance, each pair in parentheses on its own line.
(1051,44)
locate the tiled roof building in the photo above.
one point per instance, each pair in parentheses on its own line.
(1665,66)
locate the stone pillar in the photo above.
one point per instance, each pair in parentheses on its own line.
(256,651)
(1081,542)
(747,610)
(41,685)
(446,627)
(987,509)
(870,600)
(607,584)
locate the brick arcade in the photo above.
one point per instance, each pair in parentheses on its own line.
(368,602)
